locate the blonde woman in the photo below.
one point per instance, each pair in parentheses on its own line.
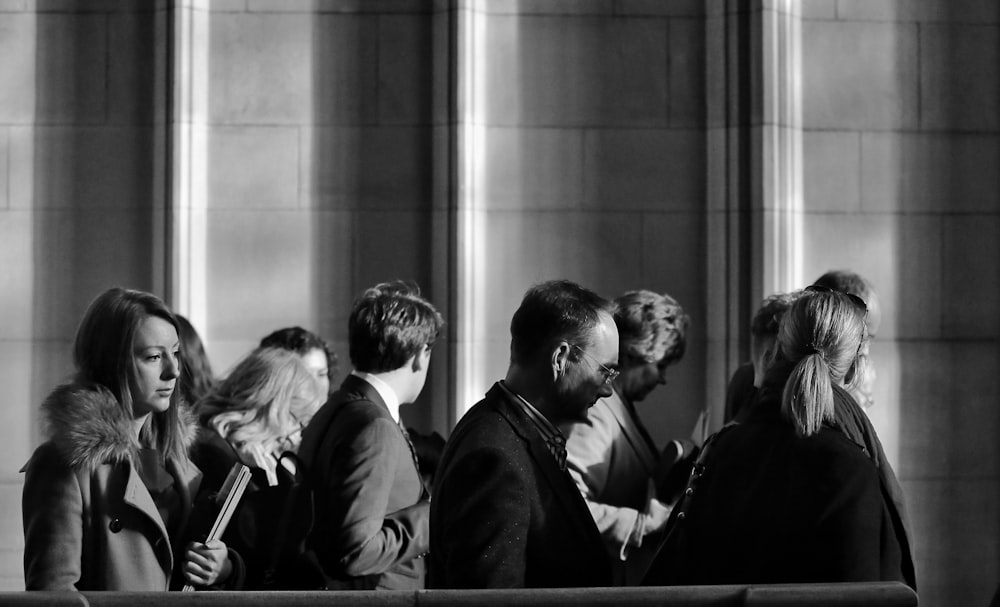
(254,416)
(785,496)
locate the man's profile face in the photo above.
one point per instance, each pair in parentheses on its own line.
(583,381)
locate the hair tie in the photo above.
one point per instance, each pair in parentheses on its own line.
(814,348)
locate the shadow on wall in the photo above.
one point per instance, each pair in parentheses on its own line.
(948,289)
(369,171)
(91,166)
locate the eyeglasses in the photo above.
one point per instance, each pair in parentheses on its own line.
(609,373)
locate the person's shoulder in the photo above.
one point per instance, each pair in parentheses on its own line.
(832,454)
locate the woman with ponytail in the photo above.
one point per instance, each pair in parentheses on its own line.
(786,496)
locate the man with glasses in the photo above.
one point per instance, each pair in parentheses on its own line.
(612,456)
(505,511)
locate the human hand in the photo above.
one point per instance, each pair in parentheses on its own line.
(656,514)
(206,563)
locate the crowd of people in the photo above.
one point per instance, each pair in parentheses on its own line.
(553,479)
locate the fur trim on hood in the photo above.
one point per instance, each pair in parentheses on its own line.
(88,427)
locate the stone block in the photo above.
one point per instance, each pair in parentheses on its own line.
(263,70)
(344,74)
(898,254)
(17,78)
(409,256)
(536,168)
(817,9)
(672,261)
(16,372)
(831,171)
(970,255)
(17,274)
(559,71)
(859,75)
(687,69)
(253,167)
(136,68)
(12,569)
(600,8)
(63,167)
(953,11)
(78,255)
(70,67)
(951,518)
(947,396)
(11,531)
(904,172)
(520,249)
(260,263)
(338,246)
(644,169)
(958,77)
(409,79)
(376,168)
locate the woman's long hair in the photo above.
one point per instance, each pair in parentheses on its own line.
(263,400)
(196,378)
(820,334)
(104,353)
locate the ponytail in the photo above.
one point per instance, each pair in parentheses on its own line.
(807,400)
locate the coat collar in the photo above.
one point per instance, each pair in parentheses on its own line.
(616,405)
(562,484)
(89,427)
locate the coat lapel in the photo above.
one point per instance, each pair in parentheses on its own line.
(559,480)
(632,433)
(137,496)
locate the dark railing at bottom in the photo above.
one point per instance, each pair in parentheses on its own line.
(882,594)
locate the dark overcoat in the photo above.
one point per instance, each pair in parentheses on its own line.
(503,513)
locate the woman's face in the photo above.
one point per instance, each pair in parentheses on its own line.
(639,378)
(157,366)
(315,361)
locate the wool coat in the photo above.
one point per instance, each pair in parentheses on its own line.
(503,514)
(766,505)
(89,521)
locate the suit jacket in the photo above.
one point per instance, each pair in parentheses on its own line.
(371,515)
(613,465)
(504,514)
(89,521)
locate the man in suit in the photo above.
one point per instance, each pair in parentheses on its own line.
(611,455)
(371,507)
(505,511)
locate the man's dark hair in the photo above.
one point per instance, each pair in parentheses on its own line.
(389,324)
(554,311)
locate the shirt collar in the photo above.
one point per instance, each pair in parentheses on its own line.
(384,390)
(548,431)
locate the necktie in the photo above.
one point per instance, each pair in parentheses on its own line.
(557,447)
(413,454)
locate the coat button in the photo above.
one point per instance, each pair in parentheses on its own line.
(681,516)
(689,491)
(115,526)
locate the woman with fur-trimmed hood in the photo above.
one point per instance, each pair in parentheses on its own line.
(107,499)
